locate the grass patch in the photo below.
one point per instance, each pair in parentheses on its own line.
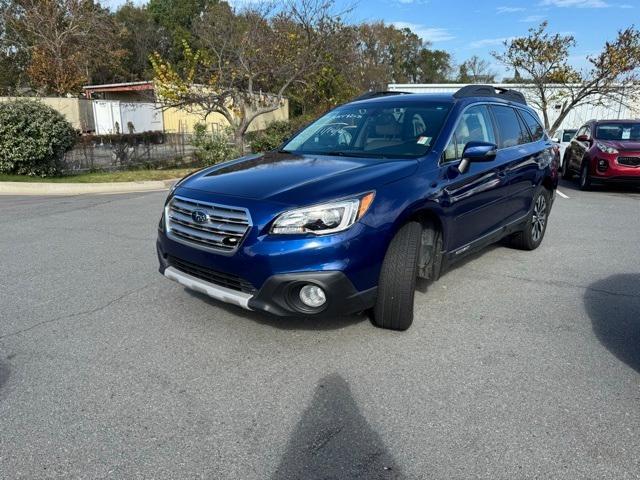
(104,177)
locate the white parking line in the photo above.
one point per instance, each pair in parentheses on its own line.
(562,194)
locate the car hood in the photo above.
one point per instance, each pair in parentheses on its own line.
(622,144)
(298,179)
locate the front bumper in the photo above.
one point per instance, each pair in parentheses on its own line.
(615,172)
(278,295)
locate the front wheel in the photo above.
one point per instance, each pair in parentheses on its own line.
(397,284)
(531,236)
(585,177)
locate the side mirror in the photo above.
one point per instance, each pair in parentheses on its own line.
(583,138)
(477,152)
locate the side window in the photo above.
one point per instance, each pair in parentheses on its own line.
(526,136)
(474,125)
(509,127)
(581,131)
(537,132)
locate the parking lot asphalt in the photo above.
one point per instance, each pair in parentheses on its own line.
(519,364)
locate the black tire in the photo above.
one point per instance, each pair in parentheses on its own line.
(531,237)
(585,178)
(397,283)
(566,171)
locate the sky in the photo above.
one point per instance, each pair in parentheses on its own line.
(477,27)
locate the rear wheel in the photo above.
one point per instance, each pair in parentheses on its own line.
(397,284)
(585,176)
(531,236)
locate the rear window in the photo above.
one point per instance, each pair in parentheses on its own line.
(567,135)
(537,132)
(510,128)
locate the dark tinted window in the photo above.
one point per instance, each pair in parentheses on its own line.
(510,131)
(567,135)
(537,132)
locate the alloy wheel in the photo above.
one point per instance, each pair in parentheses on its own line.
(539,219)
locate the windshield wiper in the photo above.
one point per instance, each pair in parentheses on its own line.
(342,153)
(336,153)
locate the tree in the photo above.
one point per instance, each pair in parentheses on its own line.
(387,54)
(139,36)
(475,70)
(542,59)
(175,20)
(433,66)
(65,41)
(243,55)
(12,61)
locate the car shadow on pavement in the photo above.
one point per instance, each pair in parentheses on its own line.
(423,285)
(4,374)
(285,323)
(333,440)
(572,185)
(613,304)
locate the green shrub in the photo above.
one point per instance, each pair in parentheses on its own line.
(212,147)
(275,134)
(271,137)
(33,138)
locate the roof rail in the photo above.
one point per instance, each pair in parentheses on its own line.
(490,91)
(369,95)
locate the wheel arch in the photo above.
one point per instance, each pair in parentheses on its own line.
(433,239)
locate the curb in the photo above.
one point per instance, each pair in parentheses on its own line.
(32,188)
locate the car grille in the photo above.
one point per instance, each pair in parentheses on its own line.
(218,278)
(629,161)
(221,228)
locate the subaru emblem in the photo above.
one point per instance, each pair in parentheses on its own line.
(199,216)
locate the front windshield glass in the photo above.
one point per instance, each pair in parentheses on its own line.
(374,130)
(619,131)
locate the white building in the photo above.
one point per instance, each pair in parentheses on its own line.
(611,110)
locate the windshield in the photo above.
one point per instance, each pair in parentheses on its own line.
(389,130)
(619,131)
(567,135)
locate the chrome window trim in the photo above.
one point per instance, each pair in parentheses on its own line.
(441,162)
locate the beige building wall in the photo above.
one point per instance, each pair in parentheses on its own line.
(182,121)
(77,111)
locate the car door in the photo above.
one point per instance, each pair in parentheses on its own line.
(472,199)
(579,148)
(524,162)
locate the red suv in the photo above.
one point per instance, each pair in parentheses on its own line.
(604,151)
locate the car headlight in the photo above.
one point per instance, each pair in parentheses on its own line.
(325,218)
(606,148)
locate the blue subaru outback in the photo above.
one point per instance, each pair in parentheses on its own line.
(350,211)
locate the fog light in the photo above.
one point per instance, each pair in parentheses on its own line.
(602,164)
(312,296)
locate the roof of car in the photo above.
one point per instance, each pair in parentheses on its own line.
(617,120)
(406,97)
